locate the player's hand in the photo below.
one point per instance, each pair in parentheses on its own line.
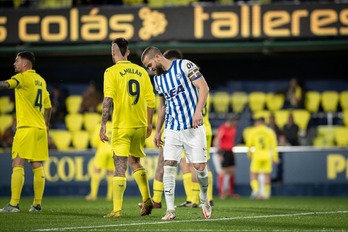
(157,140)
(102,134)
(197,120)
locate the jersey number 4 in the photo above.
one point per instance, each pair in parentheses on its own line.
(38,100)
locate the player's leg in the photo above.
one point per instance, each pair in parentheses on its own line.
(254,182)
(94,184)
(187,181)
(110,169)
(210,174)
(121,148)
(139,172)
(172,151)
(267,169)
(195,189)
(17,182)
(158,181)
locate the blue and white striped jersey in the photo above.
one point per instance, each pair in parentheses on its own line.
(180,94)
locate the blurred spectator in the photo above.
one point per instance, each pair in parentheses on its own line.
(283,141)
(293,95)
(58,98)
(291,131)
(272,124)
(91,97)
(224,141)
(7,137)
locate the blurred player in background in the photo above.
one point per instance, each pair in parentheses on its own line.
(262,150)
(128,88)
(33,112)
(102,161)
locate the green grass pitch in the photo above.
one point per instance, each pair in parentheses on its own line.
(243,214)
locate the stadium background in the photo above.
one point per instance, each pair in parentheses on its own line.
(231,60)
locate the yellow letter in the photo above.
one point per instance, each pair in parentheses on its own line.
(47,168)
(320,19)
(80,176)
(69,173)
(296,21)
(199,17)
(344,21)
(3,31)
(122,26)
(335,163)
(95,27)
(22,29)
(274,20)
(62,28)
(74,24)
(225,25)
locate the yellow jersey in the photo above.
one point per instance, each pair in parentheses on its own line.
(130,87)
(31,98)
(262,143)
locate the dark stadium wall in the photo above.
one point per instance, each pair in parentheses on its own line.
(218,69)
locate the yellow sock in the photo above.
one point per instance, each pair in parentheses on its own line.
(95,181)
(254,184)
(17,182)
(143,184)
(119,186)
(187,181)
(109,188)
(210,186)
(157,191)
(39,185)
(267,190)
(195,193)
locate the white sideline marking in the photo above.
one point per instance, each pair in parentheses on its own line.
(197,220)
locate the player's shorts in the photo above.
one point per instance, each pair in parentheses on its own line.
(193,141)
(130,141)
(209,139)
(261,165)
(228,158)
(30,143)
(103,157)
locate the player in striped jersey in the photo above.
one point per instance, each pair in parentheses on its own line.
(183,92)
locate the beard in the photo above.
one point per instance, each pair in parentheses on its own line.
(159,70)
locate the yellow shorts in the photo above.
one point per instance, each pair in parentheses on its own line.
(103,157)
(127,142)
(261,165)
(30,143)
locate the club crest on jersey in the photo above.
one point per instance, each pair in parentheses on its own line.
(178,76)
(174,91)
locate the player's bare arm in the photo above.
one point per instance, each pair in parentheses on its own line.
(203,90)
(107,103)
(4,85)
(160,120)
(47,117)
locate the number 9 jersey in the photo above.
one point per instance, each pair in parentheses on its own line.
(130,87)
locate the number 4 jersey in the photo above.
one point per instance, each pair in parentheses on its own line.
(130,87)
(32,98)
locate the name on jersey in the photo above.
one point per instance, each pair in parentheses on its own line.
(174,91)
(38,83)
(130,71)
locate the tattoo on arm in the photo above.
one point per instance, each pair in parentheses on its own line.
(107,103)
